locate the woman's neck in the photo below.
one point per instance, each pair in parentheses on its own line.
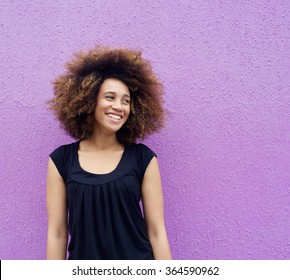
(103,142)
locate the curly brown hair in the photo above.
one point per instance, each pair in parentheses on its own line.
(75,93)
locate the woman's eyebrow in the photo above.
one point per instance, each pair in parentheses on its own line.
(113,92)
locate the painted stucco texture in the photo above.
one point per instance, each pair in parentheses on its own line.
(224,155)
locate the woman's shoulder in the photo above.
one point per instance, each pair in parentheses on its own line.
(64,149)
(62,157)
(141,150)
(138,146)
(140,157)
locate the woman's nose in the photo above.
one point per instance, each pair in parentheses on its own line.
(117,105)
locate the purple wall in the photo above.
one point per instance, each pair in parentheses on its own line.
(224,156)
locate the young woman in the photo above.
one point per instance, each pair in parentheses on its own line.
(107,100)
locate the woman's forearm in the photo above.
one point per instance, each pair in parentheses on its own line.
(56,247)
(160,247)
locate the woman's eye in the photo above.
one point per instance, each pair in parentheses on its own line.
(109,97)
(126,101)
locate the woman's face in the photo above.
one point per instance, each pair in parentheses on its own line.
(113,106)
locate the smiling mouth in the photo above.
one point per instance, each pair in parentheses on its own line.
(114,117)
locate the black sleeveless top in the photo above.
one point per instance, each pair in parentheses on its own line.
(105,218)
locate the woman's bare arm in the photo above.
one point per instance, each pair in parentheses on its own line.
(153,211)
(57,214)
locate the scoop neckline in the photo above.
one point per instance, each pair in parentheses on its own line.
(99,174)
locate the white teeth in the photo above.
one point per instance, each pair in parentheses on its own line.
(115,117)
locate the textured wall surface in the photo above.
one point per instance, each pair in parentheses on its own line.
(225,154)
